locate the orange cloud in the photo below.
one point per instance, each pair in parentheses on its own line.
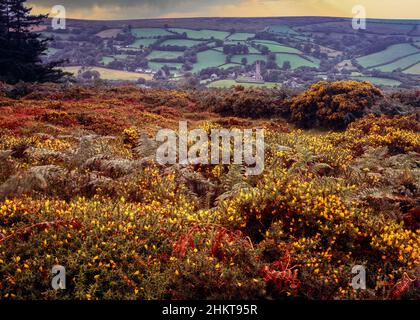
(403,9)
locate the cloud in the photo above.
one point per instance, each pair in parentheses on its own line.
(132,9)
(129,9)
(120,3)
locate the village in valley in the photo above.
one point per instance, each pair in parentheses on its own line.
(292,52)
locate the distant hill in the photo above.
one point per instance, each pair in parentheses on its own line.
(298,49)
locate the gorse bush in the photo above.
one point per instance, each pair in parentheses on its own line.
(241,102)
(399,134)
(333,105)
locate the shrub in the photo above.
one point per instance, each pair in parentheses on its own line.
(240,102)
(130,136)
(333,105)
(399,134)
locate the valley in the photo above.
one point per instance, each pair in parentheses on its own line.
(291,51)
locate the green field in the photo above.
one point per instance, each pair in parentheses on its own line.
(251,58)
(413,70)
(110,74)
(159,65)
(121,56)
(181,42)
(143,42)
(149,32)
(282,29)
(202,34)
(388,55)
(209,58)
(296,61)
(402,63)
(240,36)
(379,81)
(229,65)
(107,60)
(230,83)
(157,54)
(253,50)
(277,47)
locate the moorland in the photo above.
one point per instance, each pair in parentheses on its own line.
(80,187)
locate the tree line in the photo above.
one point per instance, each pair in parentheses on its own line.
(21,49)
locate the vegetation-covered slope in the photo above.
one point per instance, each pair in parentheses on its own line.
(79,187)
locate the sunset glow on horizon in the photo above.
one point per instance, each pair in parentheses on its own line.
(132,9)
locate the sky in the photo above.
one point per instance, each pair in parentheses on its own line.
(137,9)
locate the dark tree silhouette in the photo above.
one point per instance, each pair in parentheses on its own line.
(21,49)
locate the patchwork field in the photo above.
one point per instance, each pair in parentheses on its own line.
(110,74)
(277,47)
(402,63)
(229,65)
(240,36)
(146,42)
(108,59)
(157,54)
(251,58)
(283,29)
(202,34)
(290,39)
(209,58)
(149,32)
(182,42)
(379,81)
(253,50)
(295,60)
(413,70)
(390,54)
